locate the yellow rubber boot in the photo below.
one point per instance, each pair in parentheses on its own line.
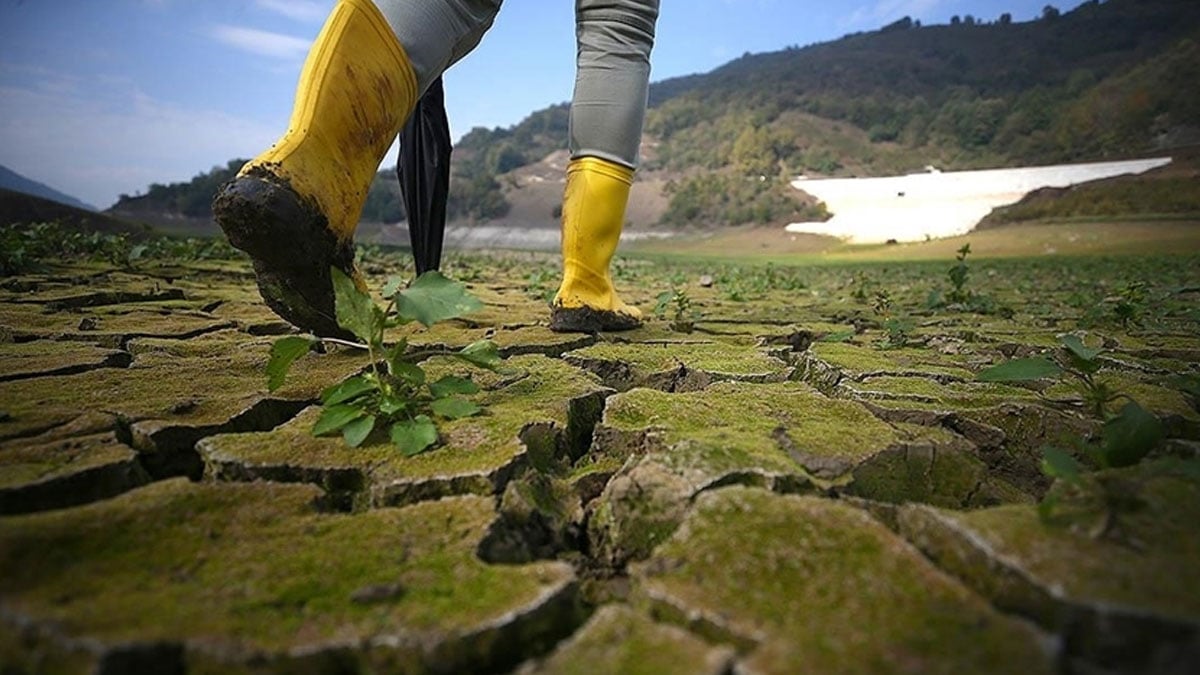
(593,213)
(294,208)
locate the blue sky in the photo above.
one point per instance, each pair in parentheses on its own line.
(99,98)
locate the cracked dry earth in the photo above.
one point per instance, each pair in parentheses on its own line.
(773,492)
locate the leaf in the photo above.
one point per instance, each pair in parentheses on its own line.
(355,310)
(483,353)
(414,436)
(1082,357)
(433,297)
(333,418)
(390,405)
(1057,463)
(396,361)
(1020,370)
(453,384)
(1129,436)
(393,284)
(346,390)
(663,301)
(357,431)
(409,372)
(454,407)
(283,352)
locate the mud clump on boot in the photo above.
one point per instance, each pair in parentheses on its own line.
(588,320)
(291,245)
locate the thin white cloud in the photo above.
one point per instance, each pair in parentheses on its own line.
(261,42)
(307,11)
(96,148)
(884,11)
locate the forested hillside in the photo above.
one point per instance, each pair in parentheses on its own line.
(1103,81)
(1107,80)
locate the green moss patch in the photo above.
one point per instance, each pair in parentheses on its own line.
(742,418)
(949,395)
(856,362)
(241,572)
(1114,597)
(832,589)
(677,366)
(36,476)
(620,641)
(204,384)
(31,359)
(477,455)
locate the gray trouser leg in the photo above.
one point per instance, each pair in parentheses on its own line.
(612,76)
(437,33)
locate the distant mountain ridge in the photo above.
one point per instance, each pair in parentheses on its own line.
(11,180)
(1107,80)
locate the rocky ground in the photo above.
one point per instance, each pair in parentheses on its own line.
(798,472)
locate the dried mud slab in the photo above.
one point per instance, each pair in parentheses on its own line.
(619,640)
(677,366)
(36,359)
(173,393)
(541,411)
(108,326)
(827,364)
(51,474)
(786,437)
(538,340)
(928,394)
(1129,600)
(249,578)
(799,580)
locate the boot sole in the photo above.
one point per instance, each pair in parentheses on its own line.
(588,320)
(292,248)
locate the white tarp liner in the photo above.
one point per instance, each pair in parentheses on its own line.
(935,204)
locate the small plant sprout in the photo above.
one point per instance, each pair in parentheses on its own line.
(676,302)
(395,395)
(1125,438)
(898,329)
(1129,306)
(959,295)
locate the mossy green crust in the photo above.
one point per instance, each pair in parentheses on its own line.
(1160,400)
(477,456)
(249,573)
(949,396)
(205,384)
(928,473)
(783,436)
(812,584)
(35,476)
(106,325)
(1110,599)
(621,641)
(539,340)
(737,422)
(856,362)
(677,366)
(31,359)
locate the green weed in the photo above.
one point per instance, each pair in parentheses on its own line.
(678,305)
(397,397)
(1126,438)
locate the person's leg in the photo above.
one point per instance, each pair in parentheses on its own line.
(614,40)
(294,208)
